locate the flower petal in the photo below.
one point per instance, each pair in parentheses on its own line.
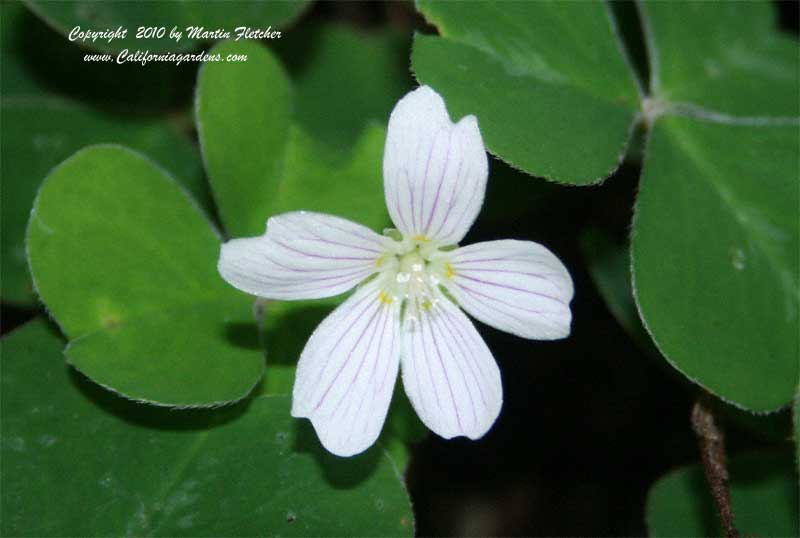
(448,372)
(302,256)
(515,286)
(347,372)
(434,171)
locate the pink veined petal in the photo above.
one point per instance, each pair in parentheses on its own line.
(301,256)
(449,374)
(347,372)
(434,171)
(516,286)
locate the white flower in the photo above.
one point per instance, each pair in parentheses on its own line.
(402,318)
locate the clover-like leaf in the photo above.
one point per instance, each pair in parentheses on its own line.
(718,205)
(725,57)
(132,15)
(349,186)
(242,112)
(547,81)
(248,470)
(715,245)
(344,79)
(260,165)
(46,131)
(715,256)
(126,264)
(763,493)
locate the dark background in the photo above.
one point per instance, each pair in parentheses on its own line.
(589,423)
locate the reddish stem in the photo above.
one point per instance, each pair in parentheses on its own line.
(715,462)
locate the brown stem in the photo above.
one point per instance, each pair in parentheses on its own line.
(712,449)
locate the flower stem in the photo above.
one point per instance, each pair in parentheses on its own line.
(259,314)
(712,449)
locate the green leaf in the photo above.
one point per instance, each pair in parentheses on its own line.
(242,114)
(715,256)
(723,56)
(344,79)
(547,81)
(314,177)
(45,132)
(132,14)
(763,493)
(261,166)
(318,178)
(116,248)
(206,353)
(249,470)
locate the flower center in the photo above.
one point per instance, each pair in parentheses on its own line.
(411,270)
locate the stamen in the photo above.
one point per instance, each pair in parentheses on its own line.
(411,270)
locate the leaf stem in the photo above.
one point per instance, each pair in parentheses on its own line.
(712,449)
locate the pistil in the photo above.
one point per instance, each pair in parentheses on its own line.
(411,270)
